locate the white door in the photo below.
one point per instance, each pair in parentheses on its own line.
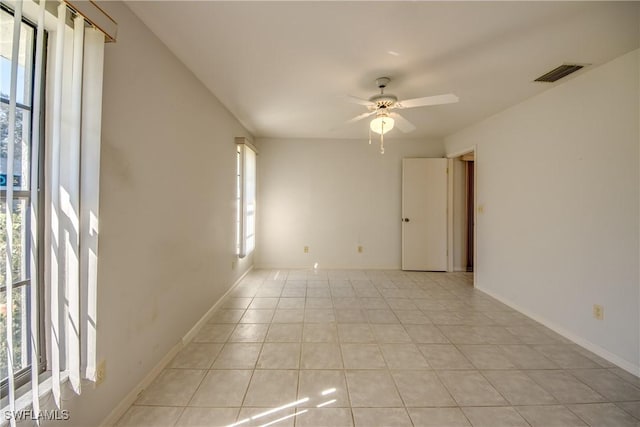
(424,214)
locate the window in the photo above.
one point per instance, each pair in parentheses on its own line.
(49,194)
(245,198)
(19,157)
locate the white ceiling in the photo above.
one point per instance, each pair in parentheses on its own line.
(282,67)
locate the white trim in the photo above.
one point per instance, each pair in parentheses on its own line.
(203,320)
(594,348)
(461,152)
(132,396)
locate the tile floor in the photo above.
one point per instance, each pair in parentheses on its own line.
(380,348)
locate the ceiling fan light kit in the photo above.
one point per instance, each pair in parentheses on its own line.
(382,105)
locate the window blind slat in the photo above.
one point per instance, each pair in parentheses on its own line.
(34,319)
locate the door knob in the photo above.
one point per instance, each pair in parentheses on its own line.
(406,220)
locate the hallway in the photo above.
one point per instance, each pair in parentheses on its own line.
(380,348)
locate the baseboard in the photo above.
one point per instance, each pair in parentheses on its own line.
(594,348)
(131,397)
(203,320)
(325,267)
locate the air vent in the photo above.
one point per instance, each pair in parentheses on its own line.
(558,73)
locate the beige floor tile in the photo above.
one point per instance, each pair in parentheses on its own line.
(196,356)
(426,334)
(403,356)
(320,332)
(412,317)
(494,417)
(237,303)
(214,417)
(547,416)
(284,332)
(272,388)
(313,303)
(565,357)
(325,416)
(632,408)
(381,417)
(401,304)
(150,416)
(390,333)
(355,333)
(222,388)
(350,315)
(470,388)
(321,356)
(627,376)
(279,356)
(258,316)
(263,303)
(607,384)
(422,389)
(444,356)
(518,388)
(212,332)
(565,387)
(526,357)
(238,356)
(291,303)
(254,417)
(318,292)
(372,389)
(284,335)
(321,386)
(319,315)
(172,387)
(289,315)
(486,356)
(376,316)
(362,356)
(226,316)
(438,417)
(604,415)
(249,332)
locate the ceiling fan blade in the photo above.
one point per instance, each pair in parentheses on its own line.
(403,124)
(428,100)
(359,101)
(361,116)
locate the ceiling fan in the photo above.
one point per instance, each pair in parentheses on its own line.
(382,105)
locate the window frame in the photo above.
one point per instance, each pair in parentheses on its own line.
(245,216)
(23,376)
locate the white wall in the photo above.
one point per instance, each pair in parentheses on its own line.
(558,179)
(332,195)
(167,210)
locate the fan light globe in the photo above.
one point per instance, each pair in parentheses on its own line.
(381,124)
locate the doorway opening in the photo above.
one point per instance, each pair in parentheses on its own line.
(469,160)
(462,184)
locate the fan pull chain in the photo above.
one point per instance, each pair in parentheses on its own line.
(369,136)
(382,137)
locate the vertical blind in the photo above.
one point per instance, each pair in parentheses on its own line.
(69,216)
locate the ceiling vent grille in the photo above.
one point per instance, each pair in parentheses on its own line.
(559,72)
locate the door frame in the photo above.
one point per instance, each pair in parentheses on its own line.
(473,149)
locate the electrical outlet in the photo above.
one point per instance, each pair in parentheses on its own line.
(306,249)
(233,265)
(598,311)
(101,372)
(359,249)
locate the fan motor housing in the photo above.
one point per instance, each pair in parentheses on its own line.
(383,100)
